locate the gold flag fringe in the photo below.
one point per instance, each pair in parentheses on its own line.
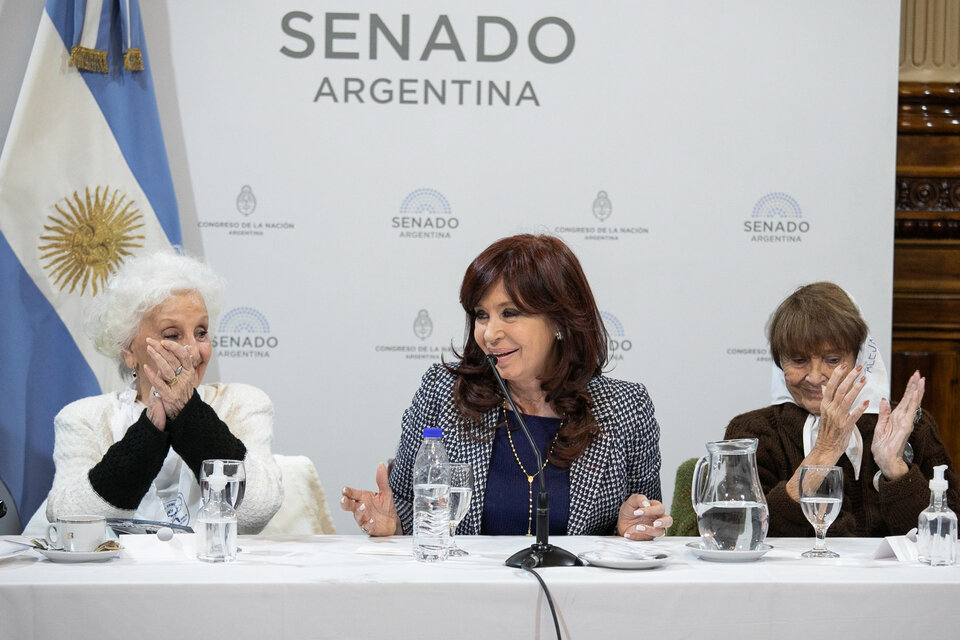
(88,59)
(132,60)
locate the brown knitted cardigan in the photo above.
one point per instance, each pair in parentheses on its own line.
(866,512)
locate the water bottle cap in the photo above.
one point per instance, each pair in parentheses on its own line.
(432,432)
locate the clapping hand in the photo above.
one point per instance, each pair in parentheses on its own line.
(838,416)
(374,513)
(894,428)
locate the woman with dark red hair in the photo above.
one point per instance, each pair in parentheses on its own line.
(528,302)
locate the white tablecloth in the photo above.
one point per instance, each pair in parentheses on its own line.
(352,587)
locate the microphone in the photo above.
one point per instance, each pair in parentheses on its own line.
(541,553)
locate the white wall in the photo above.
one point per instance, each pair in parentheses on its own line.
(697,119)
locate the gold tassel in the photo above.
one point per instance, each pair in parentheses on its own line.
(88,59)
(132,60)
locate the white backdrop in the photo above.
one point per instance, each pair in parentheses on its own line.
(701,158)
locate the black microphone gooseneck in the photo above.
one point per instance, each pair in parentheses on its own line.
(541,553)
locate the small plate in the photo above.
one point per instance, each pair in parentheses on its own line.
(715,555)
(59,555)
(624,561)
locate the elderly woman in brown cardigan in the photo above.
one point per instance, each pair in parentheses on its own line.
(830,407)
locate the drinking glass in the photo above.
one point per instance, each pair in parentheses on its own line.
(461,490)
(236,480)
(821,497)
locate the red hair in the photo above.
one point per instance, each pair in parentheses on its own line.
(542,276)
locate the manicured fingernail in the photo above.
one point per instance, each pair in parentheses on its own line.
(859,367)
(645,503)
(370,521)
(658,523)
(343,499)
(640,527)
(363,507)
(638,512)
(626,535)
(343,490)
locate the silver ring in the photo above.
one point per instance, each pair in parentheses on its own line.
(156,394)
(178,371)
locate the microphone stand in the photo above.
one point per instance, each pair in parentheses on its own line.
(541,553)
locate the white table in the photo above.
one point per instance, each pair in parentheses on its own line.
(350,587)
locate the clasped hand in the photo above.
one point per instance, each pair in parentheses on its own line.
(173,378)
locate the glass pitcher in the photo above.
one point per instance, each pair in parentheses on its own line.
(732,512)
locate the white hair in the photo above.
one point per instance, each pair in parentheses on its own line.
(142,283)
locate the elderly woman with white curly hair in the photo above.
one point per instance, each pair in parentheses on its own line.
(136,453)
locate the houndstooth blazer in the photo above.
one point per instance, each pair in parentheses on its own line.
(623,460)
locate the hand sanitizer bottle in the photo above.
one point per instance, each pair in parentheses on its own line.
(937,525)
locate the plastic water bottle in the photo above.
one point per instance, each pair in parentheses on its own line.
(217,521)
(431,507)
(937,525)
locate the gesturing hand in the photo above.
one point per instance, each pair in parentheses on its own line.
(894,429)
(642,519)
(375,513)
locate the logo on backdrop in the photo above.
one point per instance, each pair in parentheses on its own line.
(245,204)
(246,201)
(425,213)
(618,345)
(602,209)
(364,39)
(419,349)
(777,217)
(423,325)
(244,333)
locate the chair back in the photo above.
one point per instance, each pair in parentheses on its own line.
(304,509)
(684,516)
(10,520)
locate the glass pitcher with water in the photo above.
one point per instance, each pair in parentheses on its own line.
(732,512)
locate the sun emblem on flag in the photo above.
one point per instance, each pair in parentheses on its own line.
(89,239)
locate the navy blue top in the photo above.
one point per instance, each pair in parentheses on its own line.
(506,504)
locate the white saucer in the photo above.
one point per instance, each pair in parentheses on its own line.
(59,555)
(714,555)
(623,561)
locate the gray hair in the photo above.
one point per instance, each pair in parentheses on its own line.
(142,283)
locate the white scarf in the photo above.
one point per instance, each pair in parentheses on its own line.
(174,495)
(877,387)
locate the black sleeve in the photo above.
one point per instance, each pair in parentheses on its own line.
(126,470)
(198,434)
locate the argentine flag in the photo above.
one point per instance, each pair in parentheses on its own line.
(84,183)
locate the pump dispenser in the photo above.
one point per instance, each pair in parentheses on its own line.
(937,525)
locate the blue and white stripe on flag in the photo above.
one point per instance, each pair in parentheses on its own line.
(84,183)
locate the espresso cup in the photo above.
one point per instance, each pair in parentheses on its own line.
(77,533)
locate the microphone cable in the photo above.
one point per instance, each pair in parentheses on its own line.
(528,566)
